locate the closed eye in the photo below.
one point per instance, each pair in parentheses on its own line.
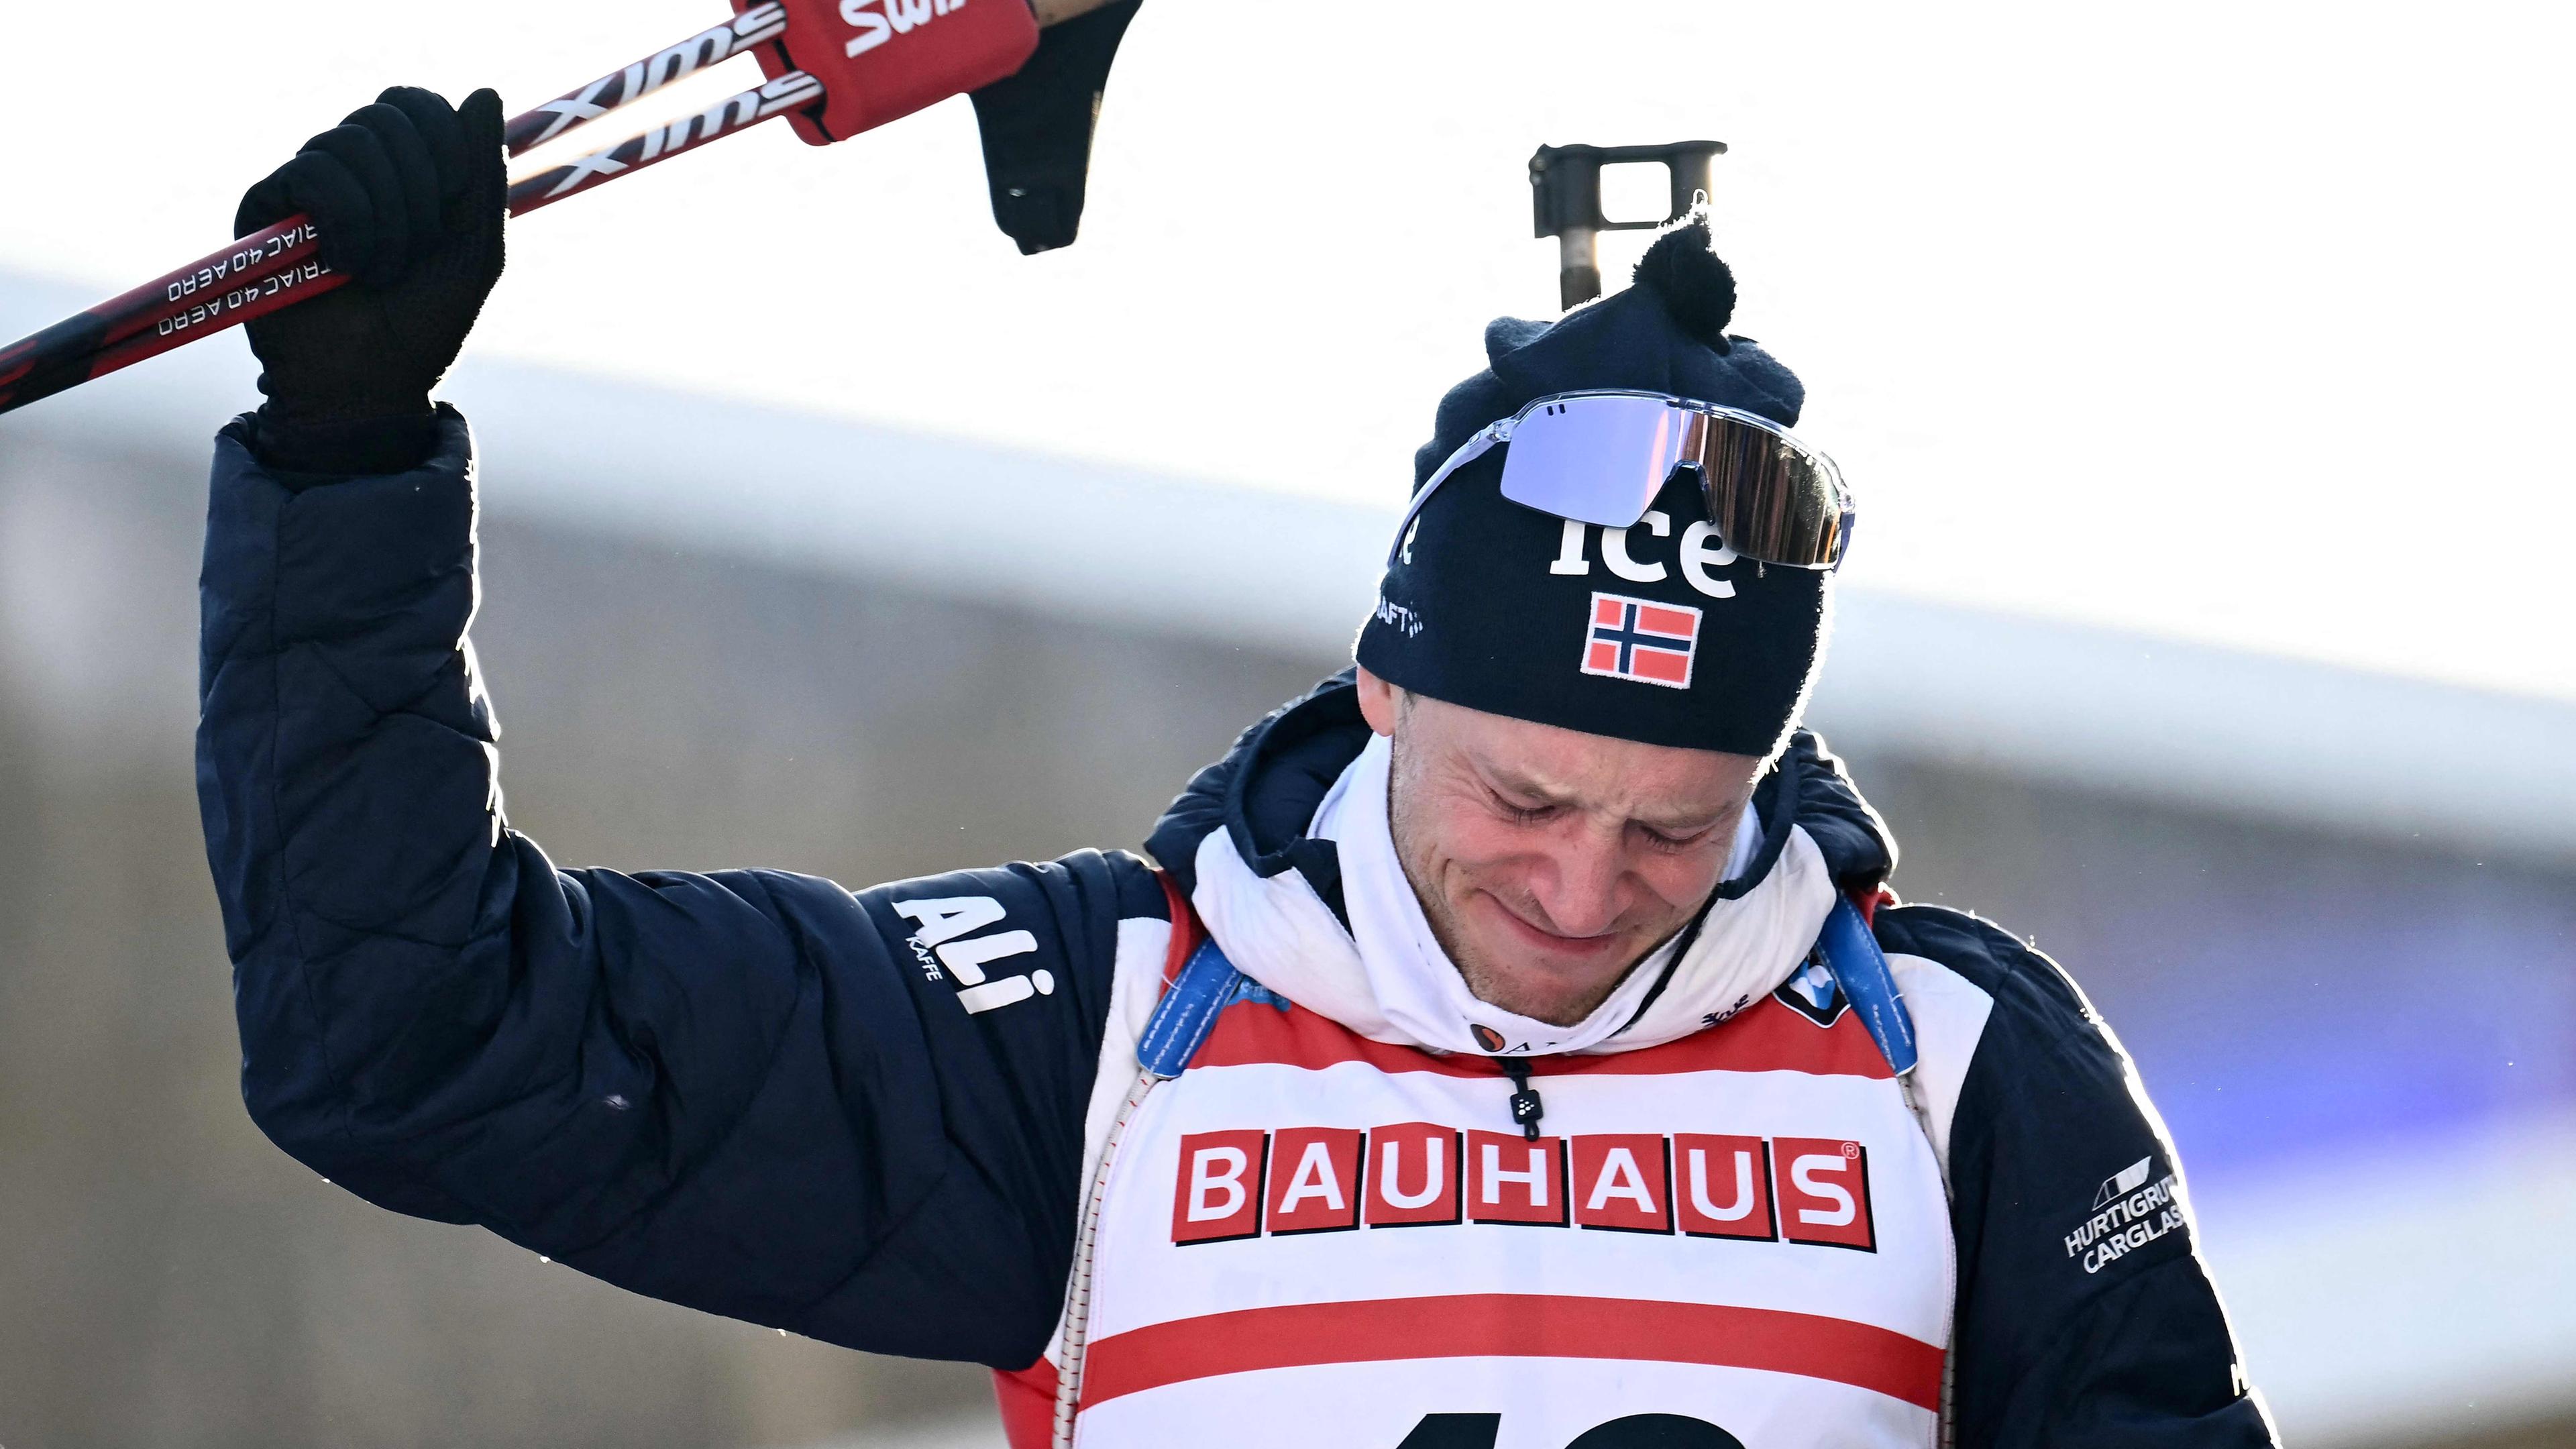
(1673,844)
(1517,813)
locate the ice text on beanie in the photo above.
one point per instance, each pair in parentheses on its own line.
(1700,551)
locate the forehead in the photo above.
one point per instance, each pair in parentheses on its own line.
(1594,772)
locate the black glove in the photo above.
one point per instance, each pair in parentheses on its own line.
(407,198)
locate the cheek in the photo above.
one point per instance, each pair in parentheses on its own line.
(1464,847)
(1679,881)
(1482,847)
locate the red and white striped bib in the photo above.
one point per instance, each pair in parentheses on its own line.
(1310,1238)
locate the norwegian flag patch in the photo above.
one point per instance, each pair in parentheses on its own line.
(1642,640)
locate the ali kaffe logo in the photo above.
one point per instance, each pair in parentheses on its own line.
(1231,1186)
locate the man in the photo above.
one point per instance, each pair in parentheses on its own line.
(1467,1074)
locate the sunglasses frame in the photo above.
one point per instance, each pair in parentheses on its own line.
(1500,431)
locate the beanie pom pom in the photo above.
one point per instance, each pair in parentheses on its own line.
(1694,284)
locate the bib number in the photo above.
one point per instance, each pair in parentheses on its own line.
(1636,1431)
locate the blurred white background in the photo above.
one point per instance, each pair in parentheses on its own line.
(2235,323)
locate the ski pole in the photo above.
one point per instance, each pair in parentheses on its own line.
(298,276)
(279,265)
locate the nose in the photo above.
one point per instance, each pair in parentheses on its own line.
(1578,886)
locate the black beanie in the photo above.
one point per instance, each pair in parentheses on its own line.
(1656,635)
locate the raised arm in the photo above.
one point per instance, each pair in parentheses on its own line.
(753,1092)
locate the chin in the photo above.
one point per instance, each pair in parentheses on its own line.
(1523,970)
(1536,996)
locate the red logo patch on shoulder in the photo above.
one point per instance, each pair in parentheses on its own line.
(1641,640)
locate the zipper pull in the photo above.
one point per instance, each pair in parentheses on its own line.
(1525,1104)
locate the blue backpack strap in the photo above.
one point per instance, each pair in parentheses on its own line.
(1208,983)
(1850,951)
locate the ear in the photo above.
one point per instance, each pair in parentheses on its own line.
(1378,702)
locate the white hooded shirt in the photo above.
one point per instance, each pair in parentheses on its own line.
(1387,978)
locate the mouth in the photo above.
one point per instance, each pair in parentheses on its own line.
(1538,938)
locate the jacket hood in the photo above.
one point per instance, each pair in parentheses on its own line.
(1236,844)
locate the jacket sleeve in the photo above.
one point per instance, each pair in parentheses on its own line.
(752,1092)
(2086,1318)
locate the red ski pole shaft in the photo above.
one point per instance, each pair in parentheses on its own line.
(625,86)
(740,111)
(212,292)
(533,128)
(292,274)
(256,297)
(28,364)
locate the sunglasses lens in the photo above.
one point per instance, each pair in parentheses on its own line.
(1600,458)
(1772,499)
